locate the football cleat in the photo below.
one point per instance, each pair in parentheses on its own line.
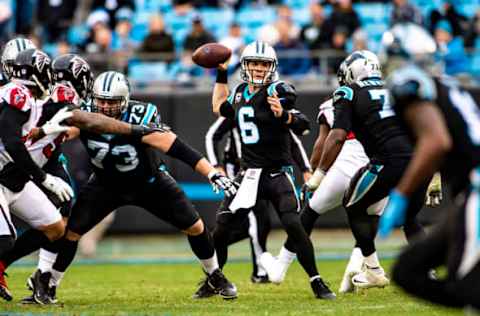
(259,279)
(41,289)
(270,264)
(347,286)
(204,291)
(4,291)
(29,300)
(219,283)
(370,277)
(321,290)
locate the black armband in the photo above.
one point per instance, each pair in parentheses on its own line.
(222,76)
(184,152)
(284,117)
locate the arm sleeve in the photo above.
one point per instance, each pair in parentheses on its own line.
(342,108)
(11,121)
(298,153)
(214,137)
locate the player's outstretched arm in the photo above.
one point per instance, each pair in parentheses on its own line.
(98,123)
(173,146)
(318,146)
(220,90)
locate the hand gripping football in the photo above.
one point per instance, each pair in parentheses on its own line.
(211,55)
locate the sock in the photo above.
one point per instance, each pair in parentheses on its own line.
(27,243)
(286,256)
(356,260)
(314,278)
(56,278)
(202,247)
(46,259)
(66,254)
(303,244)
(7,242)
(372,261)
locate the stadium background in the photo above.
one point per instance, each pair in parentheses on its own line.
(152,41)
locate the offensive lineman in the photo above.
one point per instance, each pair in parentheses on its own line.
(127,171)
(445,121)
(257,225)
(263,109)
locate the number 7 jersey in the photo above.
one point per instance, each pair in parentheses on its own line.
(117,158)
(364,108)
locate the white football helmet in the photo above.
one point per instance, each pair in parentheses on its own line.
(360,65)
(10,52)
(112,86)
(259,51)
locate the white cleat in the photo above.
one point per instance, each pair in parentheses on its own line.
(270,264)
(370,277)
(347,285)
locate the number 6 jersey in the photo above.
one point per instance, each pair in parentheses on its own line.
(265,138)
(119,159)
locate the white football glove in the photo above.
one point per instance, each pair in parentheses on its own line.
(221,182)
(315,180)
(53,125)
(56,185)
(434,192)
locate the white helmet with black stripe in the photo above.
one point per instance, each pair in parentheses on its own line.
(360,65)
(111,93)
(259,51)
(10,52)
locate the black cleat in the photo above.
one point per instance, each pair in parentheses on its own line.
(41,289)
(219,283)
(52,292)
(29,300)
(259,279)
(4,291)
(204,291)
(321,290)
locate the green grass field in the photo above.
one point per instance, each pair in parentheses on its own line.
(129,287)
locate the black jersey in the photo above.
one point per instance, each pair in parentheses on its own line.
(265,138)
(364,108)
(459,109)
(119,159)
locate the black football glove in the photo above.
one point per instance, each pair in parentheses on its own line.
(142,130)
(305,195)
(221,182)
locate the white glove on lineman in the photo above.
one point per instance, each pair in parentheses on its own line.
(315,180)
(221,182)
(434,192)
(53,125)
(56,185)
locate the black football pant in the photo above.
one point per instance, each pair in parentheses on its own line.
(276,187)
(370,185)
(454,244)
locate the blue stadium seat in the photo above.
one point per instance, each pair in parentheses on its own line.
(371,12)
(77,34)
(297,4)
(301,16)
(468,8)
(217,21)
(179,26)
(153,6)
(253,17)
(145,72)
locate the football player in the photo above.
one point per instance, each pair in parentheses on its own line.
(362,106)
(264,111)
(444,119)
(257,225)
(10,52)
(128,171)
(22,109)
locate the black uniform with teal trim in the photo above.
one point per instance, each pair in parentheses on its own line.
(266,145)
(128,172)
(455,243)
(364,108)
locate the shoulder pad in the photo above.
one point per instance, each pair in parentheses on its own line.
(344,92)
(280,87)
(236,93)
(16,97)
(141,113)
(64,94)
(411,83)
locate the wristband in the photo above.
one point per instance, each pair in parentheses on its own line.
(222,76)
(284,117)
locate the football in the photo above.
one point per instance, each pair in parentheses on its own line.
(210,55)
